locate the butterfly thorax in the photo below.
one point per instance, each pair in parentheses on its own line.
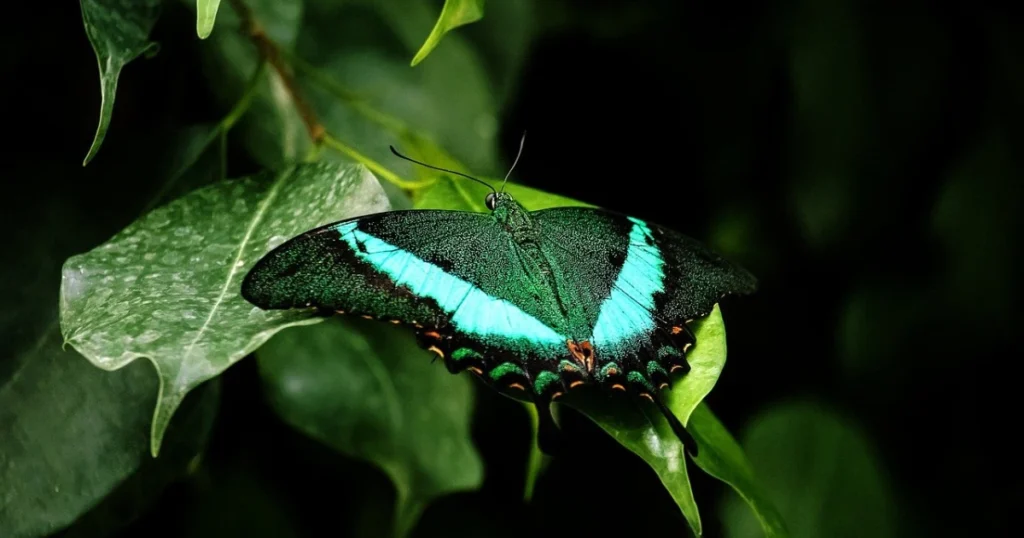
(564,313)
(515,218)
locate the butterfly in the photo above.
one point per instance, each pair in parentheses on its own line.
(535,303)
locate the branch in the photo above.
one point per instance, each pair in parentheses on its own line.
(272,54)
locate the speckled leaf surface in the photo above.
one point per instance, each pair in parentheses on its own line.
(119,32)
(166,288)
(366,389)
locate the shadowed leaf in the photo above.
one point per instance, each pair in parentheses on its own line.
(75,439)
(119,32)
(167,287)
(819,469)
(272,130)
(369,391)
(364,46)
(722,457)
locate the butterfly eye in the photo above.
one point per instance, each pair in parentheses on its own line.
(491,201)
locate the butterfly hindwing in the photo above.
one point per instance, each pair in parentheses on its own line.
(639,285)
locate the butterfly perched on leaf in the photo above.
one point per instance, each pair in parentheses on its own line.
(532,302)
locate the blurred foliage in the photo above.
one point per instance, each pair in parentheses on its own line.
(858,158)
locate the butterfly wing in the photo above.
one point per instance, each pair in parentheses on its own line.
(452,273)
(638,283)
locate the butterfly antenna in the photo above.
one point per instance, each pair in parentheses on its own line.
(395,151)
(521,142)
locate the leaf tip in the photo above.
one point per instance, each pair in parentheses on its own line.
(167,403)
(206,15)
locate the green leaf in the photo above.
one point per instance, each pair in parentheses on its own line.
(167,287)
(206,14)
(454,14)
(73,434)
(366,389)
(646,433)
(75,439)
(119,32)
(721,456)
(821,470)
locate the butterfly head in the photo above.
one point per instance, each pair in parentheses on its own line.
(496,199)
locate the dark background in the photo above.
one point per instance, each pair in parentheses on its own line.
(862,159)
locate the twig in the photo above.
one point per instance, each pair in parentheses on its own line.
(269,51)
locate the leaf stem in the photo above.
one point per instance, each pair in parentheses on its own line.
(272,54)
(373,165)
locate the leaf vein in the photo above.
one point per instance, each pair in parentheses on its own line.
(257,217)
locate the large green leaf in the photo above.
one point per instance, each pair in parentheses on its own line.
(75,439)
(167,287)
(119,32)
(821,471)
(366,389)
(73,434)
(455,13)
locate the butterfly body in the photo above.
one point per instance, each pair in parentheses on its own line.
(535,303)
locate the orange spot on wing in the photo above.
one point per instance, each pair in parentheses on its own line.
(476,370)
(515,386)
(618,387)
(437,350)
(432,334)
(575,384)
(677,330)
(556,395)
(648,396)
(675,367)
(583,352)
(663,385)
